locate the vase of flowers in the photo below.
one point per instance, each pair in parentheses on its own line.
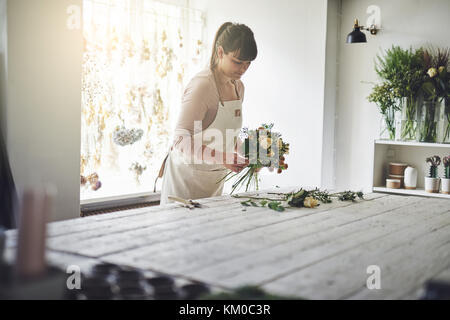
(446,180)
(432,180)
(402,72)
(435,90)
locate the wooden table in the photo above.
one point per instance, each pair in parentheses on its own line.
(320,253)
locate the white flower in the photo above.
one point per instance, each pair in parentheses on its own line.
(432,72)
(123,136)
(441,69)
(243,134)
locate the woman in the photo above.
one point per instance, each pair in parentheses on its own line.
(211,107)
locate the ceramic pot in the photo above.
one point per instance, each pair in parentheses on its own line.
(393,183)
(397,168)
(445,185)
(432,184)
(410,178)
(395,177)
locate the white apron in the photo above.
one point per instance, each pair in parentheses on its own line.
(196,181)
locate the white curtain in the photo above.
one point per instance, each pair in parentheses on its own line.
(138,57)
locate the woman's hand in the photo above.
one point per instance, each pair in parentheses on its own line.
(237,163)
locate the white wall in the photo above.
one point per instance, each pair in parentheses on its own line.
(331,77)
(3,64)
(285,84)
(405,23)
(44,99)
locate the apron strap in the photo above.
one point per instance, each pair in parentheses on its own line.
(236,89)
(218,90)
(161,170)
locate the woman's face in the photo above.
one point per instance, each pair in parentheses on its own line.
(231,66)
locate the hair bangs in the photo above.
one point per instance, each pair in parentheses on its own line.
(244,48)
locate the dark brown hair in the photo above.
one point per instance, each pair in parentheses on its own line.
(234,37)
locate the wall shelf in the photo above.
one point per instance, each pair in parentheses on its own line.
(413,144)
(417,192)
(412,153)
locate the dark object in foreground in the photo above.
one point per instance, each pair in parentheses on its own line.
(105,281)
(48,286)
(436,290)
(8,196)
(248,293)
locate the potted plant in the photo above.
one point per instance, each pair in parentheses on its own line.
(403,70)
(446,179)
(432,181)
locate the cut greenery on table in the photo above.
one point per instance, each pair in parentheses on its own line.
(298,199)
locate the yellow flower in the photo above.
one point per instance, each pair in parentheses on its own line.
(280,144)
(432,72)
(441,69)
(286,149)
(310,202)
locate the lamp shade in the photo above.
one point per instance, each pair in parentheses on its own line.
(356,36)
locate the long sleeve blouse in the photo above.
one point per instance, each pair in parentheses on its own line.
(200,102)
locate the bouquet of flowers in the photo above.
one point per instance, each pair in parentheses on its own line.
(263,148)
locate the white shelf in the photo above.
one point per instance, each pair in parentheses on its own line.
(416,192)
(413,144)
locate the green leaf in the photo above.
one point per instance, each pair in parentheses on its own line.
(253,203)
(272,205)
(276,205)
(264,202)
(245,203)
(428,88)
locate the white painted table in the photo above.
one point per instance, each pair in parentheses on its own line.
(320,253)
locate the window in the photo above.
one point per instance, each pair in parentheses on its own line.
(138,57)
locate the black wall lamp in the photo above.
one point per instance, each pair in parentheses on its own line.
(357,36)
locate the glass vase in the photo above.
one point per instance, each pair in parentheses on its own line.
(443,125)
(387,126)
(384,131)
(398,125)
(428,119)
(409,119)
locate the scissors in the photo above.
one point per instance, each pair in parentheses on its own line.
(190,204)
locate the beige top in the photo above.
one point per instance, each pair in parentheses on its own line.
(199,103)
